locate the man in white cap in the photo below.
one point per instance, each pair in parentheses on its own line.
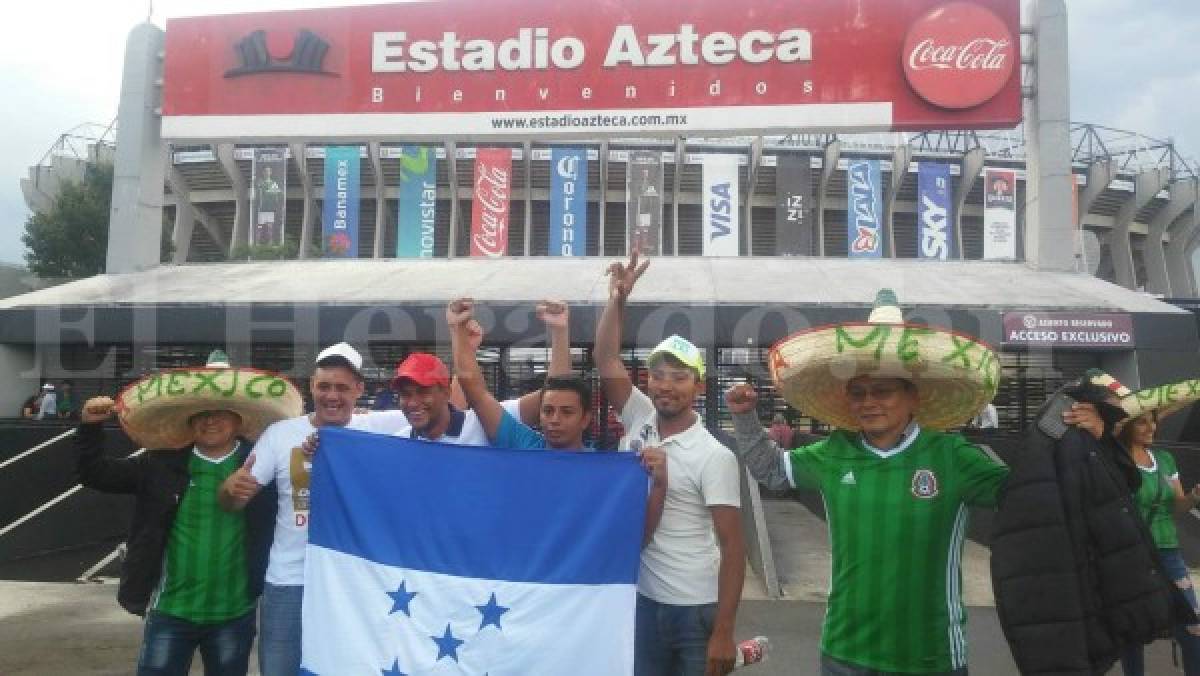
(279,457)
(49,404)
(690,581)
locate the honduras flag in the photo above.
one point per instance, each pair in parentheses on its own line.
(428,558)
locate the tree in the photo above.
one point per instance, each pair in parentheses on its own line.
(71,239)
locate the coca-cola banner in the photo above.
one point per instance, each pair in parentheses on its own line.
(793,206)
(721,231)
(512,68)
(864,212)
(999,214)
(643,201)
(489,211)
(936,237)
(268,196)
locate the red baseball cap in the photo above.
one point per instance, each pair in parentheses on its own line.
(423,369)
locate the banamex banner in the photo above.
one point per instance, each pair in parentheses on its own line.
(339,211)
(936,228)
(489,209)
(721,232)
(416,211)
(864,209)
(999,214)
(511,68)
(568,202)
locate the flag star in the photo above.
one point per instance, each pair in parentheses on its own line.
(394,670)
(491,613)
(447,644)
(400,599)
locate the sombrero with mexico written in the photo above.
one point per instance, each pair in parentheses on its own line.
(156,411)
(955,374)
(1162,400)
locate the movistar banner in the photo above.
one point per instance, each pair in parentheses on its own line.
(339,213)
(936,238)
(864,215)
(721,211)
(416,214)
(568,202)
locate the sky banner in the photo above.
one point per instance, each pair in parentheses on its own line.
(268,196)
(793,206)
(568,202)
(515,68)
(864,213)
(936,228)
(417,210)
(489,209)
(339,211)
(720,205)
(644,200)
(535,572)
(1000,215)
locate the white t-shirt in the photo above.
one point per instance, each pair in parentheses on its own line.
(278,457)
(465,428)
(681,563)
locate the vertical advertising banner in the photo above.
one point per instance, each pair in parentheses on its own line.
(489,209)
(999,214)
(339,211)
(935,238)
(793,206)
(643,201)
(568,202)
(268,196)
(720,205)
(864,214)
(417,210)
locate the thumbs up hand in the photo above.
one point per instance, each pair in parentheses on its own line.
(241,484)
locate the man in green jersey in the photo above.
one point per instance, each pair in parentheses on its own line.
(194,570)
(896,489)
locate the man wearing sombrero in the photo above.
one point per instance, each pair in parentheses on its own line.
(194,570)
(896,488)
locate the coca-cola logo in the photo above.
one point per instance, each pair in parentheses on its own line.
(489,234)
(959,55)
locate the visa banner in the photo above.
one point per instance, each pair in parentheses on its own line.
(417,211)
(864,214)
(568,202)
(720,205)
(936,232)
(339,210)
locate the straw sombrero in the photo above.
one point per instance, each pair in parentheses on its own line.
(155,411)
(1163,399)
(955,374)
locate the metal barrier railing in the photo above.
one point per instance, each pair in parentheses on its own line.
(52,502)
(35,449)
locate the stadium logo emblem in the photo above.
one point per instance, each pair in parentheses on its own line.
(263,53)
(959,56)
(924,484)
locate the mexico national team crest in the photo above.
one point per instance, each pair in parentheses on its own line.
(924,484)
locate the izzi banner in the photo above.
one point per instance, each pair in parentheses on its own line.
(793,206)
(417,210)
(936,232)
(1000,214)
(721,211)
(268,196)
(339,212)
(568,202)
(489,211)
(643,201)
(864,214)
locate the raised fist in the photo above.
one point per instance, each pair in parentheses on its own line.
(741,398)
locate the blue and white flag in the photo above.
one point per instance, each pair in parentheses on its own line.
(431,558)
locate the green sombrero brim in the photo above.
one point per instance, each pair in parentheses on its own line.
(1162,399)
(155,411)
(955,375)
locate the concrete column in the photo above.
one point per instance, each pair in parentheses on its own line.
(527,148)
(1182,198)
(900,159)
(751,182)
(452,178)
(676,185)
(135,218)
(603,206)
(1146,186)
(181,236)
(1100,175)
(833,152)
(299,152)
(380,202)
(971,167)
(238,236)
(1049,193)
(1184,240)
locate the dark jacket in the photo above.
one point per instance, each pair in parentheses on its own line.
(158,479)
(1075,572)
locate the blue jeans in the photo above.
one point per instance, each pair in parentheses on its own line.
(279,644)
(671,640)
(1133,661)
(832,667)
(168,644)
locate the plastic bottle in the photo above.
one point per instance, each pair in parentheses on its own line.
(751,651)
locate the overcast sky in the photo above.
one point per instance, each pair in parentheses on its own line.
(1135,64)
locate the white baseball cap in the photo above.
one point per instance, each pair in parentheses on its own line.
(344,351)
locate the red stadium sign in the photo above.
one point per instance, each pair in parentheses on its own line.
(655,67)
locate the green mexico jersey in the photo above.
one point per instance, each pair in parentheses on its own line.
(204,575)
(897,525)
(1156,499)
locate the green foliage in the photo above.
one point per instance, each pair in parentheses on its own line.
(270,252)
(71,239)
